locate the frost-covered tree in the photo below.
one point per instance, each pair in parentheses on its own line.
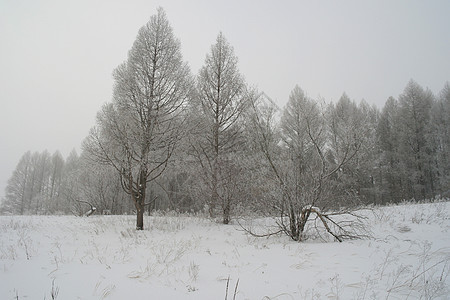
(368,157)
(413,142)
(350,123)
(40,180)
(440,140)
(390,178)
(70,191)
(222,101)
(305,163)
(137,132)
(54,191)
(35,185)
(17,189)
(100,186)
(414,126)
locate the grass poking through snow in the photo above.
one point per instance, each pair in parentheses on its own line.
(190,257)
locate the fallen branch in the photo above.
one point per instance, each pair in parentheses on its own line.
(249,231)
(322,218)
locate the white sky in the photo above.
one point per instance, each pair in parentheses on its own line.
(56,57)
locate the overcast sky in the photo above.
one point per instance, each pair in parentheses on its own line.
(56,57)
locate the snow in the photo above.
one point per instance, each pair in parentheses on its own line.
(191,257)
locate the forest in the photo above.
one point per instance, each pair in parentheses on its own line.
(172,141)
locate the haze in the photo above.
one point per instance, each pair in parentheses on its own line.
(56,58)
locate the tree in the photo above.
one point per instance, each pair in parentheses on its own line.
(304,163)
(40,183)
(390,178)
(416,155)
(367,159)
(137,132)
(350,123)
(100,186)
(16,196)
(440,124)
(35,184)
(70,184)
(222,99)
(57,166)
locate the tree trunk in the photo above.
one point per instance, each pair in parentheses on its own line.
(214,199)
(226,212)
(140,209)
(140,199)
(140,217)
(293,224)
(214,192)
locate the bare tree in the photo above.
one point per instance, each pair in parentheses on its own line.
(440,119)
(301,167)
(100,185)
(54,200)
(350,124)
(390,179)
(138,131)
(17,188)
(416,154)
(221,96)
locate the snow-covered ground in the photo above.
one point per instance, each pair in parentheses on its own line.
(186,257)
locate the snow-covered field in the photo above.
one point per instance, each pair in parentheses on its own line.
(187,257)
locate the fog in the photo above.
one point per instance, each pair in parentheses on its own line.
(56,58)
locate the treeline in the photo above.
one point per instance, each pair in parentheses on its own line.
(172,141)
(405,156)
(49,184)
